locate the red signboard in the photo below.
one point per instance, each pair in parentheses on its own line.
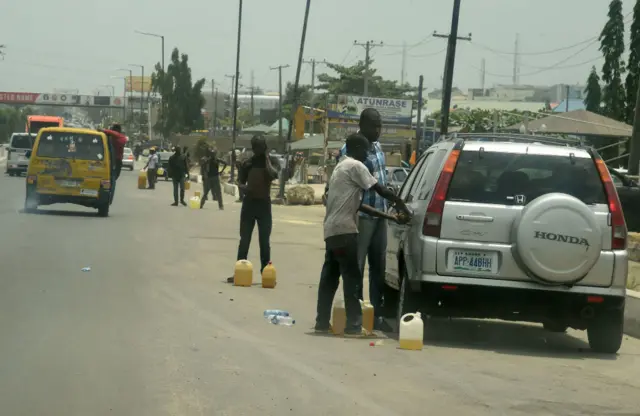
(19,97)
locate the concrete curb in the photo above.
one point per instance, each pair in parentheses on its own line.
(230,189)
(632,314)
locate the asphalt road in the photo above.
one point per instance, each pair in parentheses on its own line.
(153,330)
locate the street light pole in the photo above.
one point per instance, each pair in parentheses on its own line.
(234,130)
(130,89)
(141,93)
(162,106)
(296,99)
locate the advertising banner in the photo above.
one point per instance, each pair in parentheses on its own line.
(70,100)
(136,84)
(391,110)
(339,130)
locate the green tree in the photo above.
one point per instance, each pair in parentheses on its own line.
(593,92)
(350,80)
(183,99)
(612,47)
(13,120)
(633,66)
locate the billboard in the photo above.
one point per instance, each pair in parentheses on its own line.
(71,100)
(136,84)
(340,129)
(392,111)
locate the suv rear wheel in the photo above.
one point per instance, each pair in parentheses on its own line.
(605,331)
(103,209)
(407,300)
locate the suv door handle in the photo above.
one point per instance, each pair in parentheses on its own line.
(474,218)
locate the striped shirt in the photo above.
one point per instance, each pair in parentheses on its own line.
(375,162)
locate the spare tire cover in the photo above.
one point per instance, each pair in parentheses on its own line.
(557,238)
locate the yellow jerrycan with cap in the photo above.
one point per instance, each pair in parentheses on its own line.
(243,273)
(339,317)
(194,202)
(142,180)
(411,331)
(269,276)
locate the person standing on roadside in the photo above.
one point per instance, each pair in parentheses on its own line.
(152,168)
(372,236)
(254,179)
(210,170)
(345,198)
(178,170)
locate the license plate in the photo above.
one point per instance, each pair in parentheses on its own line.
(89,192)
(473,261)
(68,184)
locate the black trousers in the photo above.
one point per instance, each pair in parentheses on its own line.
(178,183)
(152,175)
(340,259)
(212,185)
(255,211)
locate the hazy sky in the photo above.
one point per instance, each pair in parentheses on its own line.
(69,44)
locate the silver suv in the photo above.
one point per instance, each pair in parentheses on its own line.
(512,227)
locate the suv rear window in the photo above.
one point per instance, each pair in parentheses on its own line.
(71,145)
(22,142)
(516,179)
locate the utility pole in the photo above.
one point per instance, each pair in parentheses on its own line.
(368,45)
(634,153)
(215,112)
(279,68)
(252,92)
(483,74)
(233,80)
(419,133)
(449,66)
(2,54)
(404,63)
(516,61)
(313,63)
(566,98)
(213,116)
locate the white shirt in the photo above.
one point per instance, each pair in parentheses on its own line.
(153,161)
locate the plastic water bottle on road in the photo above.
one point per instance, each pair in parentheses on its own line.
(270,313)
(283,320)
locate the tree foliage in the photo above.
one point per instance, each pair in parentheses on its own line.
(350,80)
(13,120)
(633,66)
(183,99)
(612,47)
(483,121)
(593,92)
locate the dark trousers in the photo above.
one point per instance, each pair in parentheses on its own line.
(340,259)
(212,185)
(255,210)
(152,174)
(178,183)
(372,245)
(115,174)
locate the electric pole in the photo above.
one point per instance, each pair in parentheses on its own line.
(483,74)
(313,63)
(368,45)
(215,111)
(419,128)
(449,66)
(252,92)
(2,54)
(213,98)
(516,61)
(404,62)
(279,68)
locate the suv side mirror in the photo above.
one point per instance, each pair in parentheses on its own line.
(28,154)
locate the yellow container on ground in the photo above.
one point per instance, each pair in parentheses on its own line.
(339,317)
(368,315)
(194,202)
(142,180)
(411,331)
(243,273)
(187,185)
(269,276)
(196,194)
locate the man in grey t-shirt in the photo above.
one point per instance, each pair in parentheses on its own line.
(348,181)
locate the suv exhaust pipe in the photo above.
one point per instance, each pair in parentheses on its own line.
(587,312)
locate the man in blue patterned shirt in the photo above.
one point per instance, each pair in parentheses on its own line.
(372,236)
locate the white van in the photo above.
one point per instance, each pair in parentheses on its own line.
(19,143)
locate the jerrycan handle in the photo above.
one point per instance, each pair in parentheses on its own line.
(408,317)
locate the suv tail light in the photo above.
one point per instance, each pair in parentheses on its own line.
(618,225)
(433,217)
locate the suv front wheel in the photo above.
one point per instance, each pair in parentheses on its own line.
(407,300)
(605,331)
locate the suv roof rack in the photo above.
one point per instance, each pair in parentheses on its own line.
(518,138)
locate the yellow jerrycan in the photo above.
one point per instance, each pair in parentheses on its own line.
(411,331)
(196,194)
(338,317)
(142,180)
(243,273)
(368,315)
(187,185)
(194,202)
(269,276)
